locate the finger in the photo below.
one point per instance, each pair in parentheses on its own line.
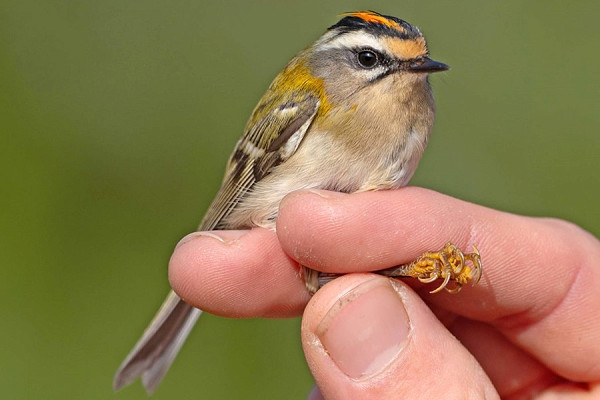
(337,232)
(540,279)
(570,391)
(513,371)
(237,274)
(365,337)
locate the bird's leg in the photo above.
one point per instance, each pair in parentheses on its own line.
(315,280)
(448,264)
(311,279)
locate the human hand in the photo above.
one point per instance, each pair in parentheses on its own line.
(529,329)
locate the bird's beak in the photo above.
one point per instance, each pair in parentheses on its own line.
(426,64)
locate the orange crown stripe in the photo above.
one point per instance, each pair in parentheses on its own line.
(370,16)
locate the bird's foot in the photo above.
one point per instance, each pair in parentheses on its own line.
(449,264)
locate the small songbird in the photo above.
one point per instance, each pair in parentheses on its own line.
(350,113)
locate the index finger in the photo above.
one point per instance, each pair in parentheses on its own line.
(540,284)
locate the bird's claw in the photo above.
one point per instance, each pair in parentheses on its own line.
(450,264)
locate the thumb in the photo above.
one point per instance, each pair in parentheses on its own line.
(367,337)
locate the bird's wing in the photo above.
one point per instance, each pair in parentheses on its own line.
(267,141)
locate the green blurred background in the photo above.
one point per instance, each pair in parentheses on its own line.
(116,118)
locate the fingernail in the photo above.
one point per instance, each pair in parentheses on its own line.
(327,194)
(366,329)
(320,193)
(221,236)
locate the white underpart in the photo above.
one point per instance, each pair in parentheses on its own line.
(414,148)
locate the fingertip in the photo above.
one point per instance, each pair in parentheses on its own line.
(192,249)
(313,205)
(375,304)
(305,216)
(367,337)
(226,273)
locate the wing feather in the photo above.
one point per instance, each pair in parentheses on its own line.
(264,145)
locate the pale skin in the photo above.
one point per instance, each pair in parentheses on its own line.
(529,329)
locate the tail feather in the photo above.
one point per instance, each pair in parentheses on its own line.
(154,353)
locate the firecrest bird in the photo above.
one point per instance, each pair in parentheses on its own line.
(350,113)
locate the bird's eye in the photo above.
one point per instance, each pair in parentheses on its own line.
(367,58)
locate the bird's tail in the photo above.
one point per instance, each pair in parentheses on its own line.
(157,348)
